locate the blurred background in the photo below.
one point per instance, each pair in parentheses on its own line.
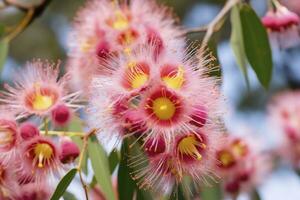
(46,38)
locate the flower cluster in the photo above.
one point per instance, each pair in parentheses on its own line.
(283,26)
(156,91)
(284,111)
(241,165)
(104,28)
(30,157)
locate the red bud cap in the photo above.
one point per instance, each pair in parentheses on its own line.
(61,115)
(69,152)
(28,130)
(232,187)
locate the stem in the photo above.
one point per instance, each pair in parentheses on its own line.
(23,24)
(211,26)
(63,133)
(46,126)
(84,148)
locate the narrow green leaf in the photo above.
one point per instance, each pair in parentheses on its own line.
(64,184)
(213,191)
(177,193)
(255,195)
(257,46)
(3,53)
(100,167)
(2,30)
(76,125)
(69,196)
(237,41)
(126,192)
(113,160)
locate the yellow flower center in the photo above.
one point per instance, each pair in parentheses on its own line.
(41,101)
(226,158)
(121,22)
(136,75)
(188,146)
(6,136)
(88,44)
(239,148)
(175,81)
(43,153)
(163,108)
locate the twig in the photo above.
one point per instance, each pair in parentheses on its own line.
(64,133)
(84,148)
(211,26)
(23,24)
(32,12)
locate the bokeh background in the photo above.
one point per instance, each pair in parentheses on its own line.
(46,38)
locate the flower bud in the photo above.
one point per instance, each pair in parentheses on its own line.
(61,115)
(69,151)
(28,130)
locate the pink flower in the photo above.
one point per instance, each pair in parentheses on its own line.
(40,157)
(168,94)
(33,191)
(283,26)
(102,29)
(284,112)
(242,165)
(36,90)
(191,154)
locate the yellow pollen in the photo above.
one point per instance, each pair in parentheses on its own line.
(127,51)
(226,158)
(40,101)
(139,80)
(121,22)
(88,44)
(128,38)
(188,146)
(175,82)
(163,108)
(6,136)
(239,148)
(43,152)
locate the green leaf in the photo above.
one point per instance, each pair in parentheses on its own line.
(69,196)
(126,192)
(2,30)
(78,140)
(3,53)
(257,46)
(177,193)
(212,191)
(255,195)
(237,41)
(113,160)
(100,167)
(76,126)
(64,184)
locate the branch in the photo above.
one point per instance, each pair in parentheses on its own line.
(32,12)
(211,26)
(84,148)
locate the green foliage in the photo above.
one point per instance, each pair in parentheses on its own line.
(256,44)
(237,41)
(69,196)
(100,167)
(114,159)
(209,192)
(3,52)
(64,184)
(125,191)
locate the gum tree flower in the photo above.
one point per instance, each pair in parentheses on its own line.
(37,90)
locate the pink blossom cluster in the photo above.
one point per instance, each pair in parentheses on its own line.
(29,157)
(283,26)
(242,165)
(284,111)
(141,81)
